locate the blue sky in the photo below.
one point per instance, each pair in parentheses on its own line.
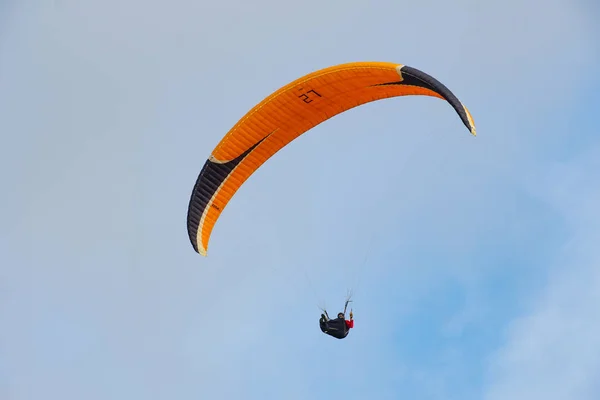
(482,278)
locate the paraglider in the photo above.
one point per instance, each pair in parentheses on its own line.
(288,113)
(338,327)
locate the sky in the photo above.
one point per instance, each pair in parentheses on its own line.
(472,259)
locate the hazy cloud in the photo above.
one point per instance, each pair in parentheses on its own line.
(108,111)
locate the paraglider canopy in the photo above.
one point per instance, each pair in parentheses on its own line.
(287,114)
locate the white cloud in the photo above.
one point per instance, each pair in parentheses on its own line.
(112,109)
(553,351)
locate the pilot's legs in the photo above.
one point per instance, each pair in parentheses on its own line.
(323,323)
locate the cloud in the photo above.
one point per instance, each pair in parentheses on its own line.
(113,107)
(552,350)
